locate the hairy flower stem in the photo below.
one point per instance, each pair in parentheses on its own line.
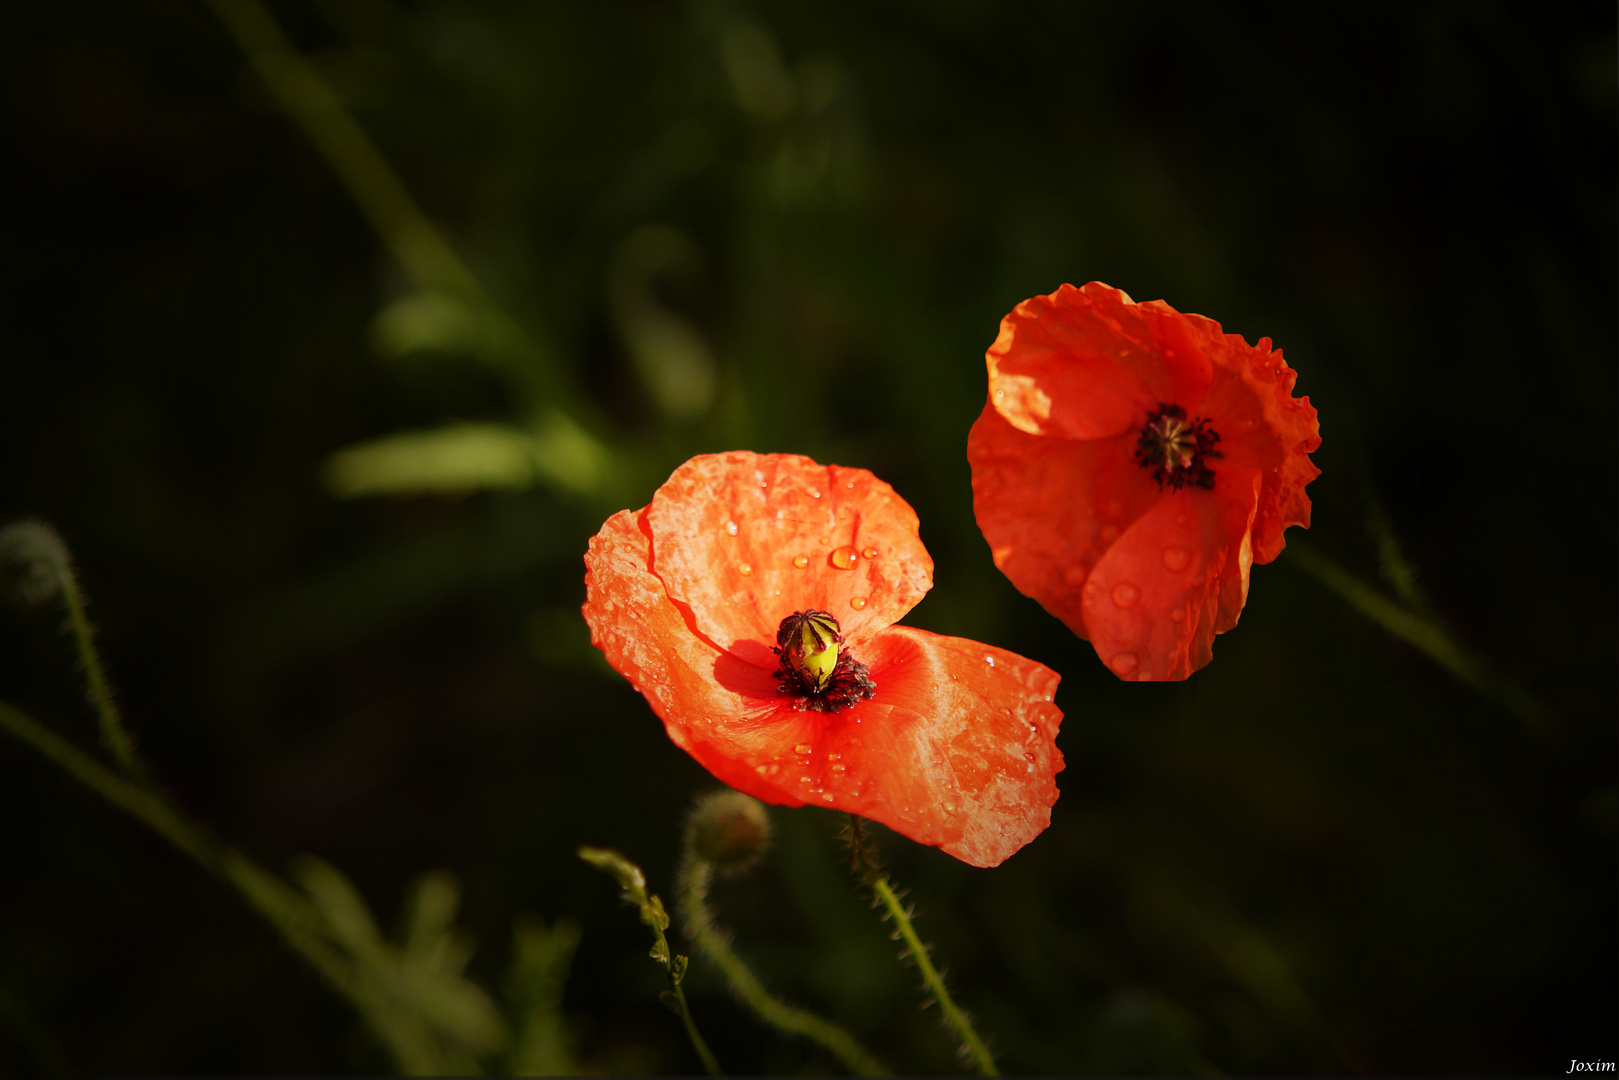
(863,861)
(48,568)
(692,883)
(1422,633)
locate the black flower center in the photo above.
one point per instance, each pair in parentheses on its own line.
(1176,449)
(815,671)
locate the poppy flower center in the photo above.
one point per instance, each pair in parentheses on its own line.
(1177,449)
(815,670)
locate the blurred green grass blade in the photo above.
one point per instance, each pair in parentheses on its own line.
(1414,630)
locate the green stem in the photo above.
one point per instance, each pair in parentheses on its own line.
(39,553)
(697,1042)
(1460,661)
(264,892)
(633,881)
(382,196)
(864,863)
(692,882)
(931,978)
(113,732)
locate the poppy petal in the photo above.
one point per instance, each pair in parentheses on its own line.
(1176,578)
(744,540)
(1263,426)
(1051,507)
(1088,363)
(648,639)
(956,750)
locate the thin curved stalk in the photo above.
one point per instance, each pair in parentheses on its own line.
(47,569)
(864,863)
(692,884)
(633,881)
(264,892)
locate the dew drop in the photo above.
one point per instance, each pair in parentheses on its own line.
(801,561)
(1123,664)
(869,553)
(858,603)
(744,569)
(814,494)
(1000,393)
(1089,595)
(845,557)
(1176,559)
(804,748)
(990,660)
(825,541)
(730,528)
(1075,574)
(1179,614)
(1125,594)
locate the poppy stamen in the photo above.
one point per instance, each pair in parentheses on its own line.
(814,669)
(1176,449)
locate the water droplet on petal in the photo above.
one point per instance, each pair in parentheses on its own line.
(1179,614)
(1125,594)
(858,603)
(1075,574)
(990,660)
(869,553)
(730,528)
(1000,393)
(1176,559)
(801,748)
(744,569)
(845,557)
(1123,664)
(801,561)
(814,494)
(825,541)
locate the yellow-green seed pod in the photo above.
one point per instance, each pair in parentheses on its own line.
(809,643)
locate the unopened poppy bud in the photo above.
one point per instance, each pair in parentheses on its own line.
(808,641)
(728,830)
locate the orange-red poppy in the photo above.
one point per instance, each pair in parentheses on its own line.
(1129,466)
(752,604)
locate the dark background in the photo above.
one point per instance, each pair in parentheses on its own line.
(1321,853)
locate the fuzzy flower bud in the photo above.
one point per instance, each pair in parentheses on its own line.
(728,830)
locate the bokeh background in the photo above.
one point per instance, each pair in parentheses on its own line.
(791,226)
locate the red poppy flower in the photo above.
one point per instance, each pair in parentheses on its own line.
(1129,466)
(752,603)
